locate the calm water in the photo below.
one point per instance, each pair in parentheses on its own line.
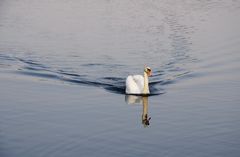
(63,66)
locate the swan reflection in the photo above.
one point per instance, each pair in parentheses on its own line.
(133,99)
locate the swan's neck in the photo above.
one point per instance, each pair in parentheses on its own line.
(145,88)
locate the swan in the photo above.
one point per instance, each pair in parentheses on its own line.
(138,84)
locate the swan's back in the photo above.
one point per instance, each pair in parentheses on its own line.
(134,84)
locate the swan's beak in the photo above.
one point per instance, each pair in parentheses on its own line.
(149,73)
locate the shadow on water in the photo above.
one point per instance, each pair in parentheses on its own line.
(134,99)
(158,82)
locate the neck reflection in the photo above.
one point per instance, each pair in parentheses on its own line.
(133,99)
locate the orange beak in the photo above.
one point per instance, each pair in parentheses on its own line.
(149,73)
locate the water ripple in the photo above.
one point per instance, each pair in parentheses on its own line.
(169,74)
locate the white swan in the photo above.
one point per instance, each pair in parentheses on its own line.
(138,84)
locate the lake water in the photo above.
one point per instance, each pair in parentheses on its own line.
(63,66)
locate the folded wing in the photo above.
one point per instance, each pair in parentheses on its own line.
(134,84)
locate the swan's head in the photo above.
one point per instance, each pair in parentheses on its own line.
(148,70)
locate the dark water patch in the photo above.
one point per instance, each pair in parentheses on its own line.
(156,90)
(146,95)
(86,81)
(92,64)
(168,82)
(32,68)
(76,81)
(162,82)
(7,61)
(116,89)
(158,82)
(5,57)
(170,63)
(31,62)
(70,74)
(158,73)
(39,74)
(113,78)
